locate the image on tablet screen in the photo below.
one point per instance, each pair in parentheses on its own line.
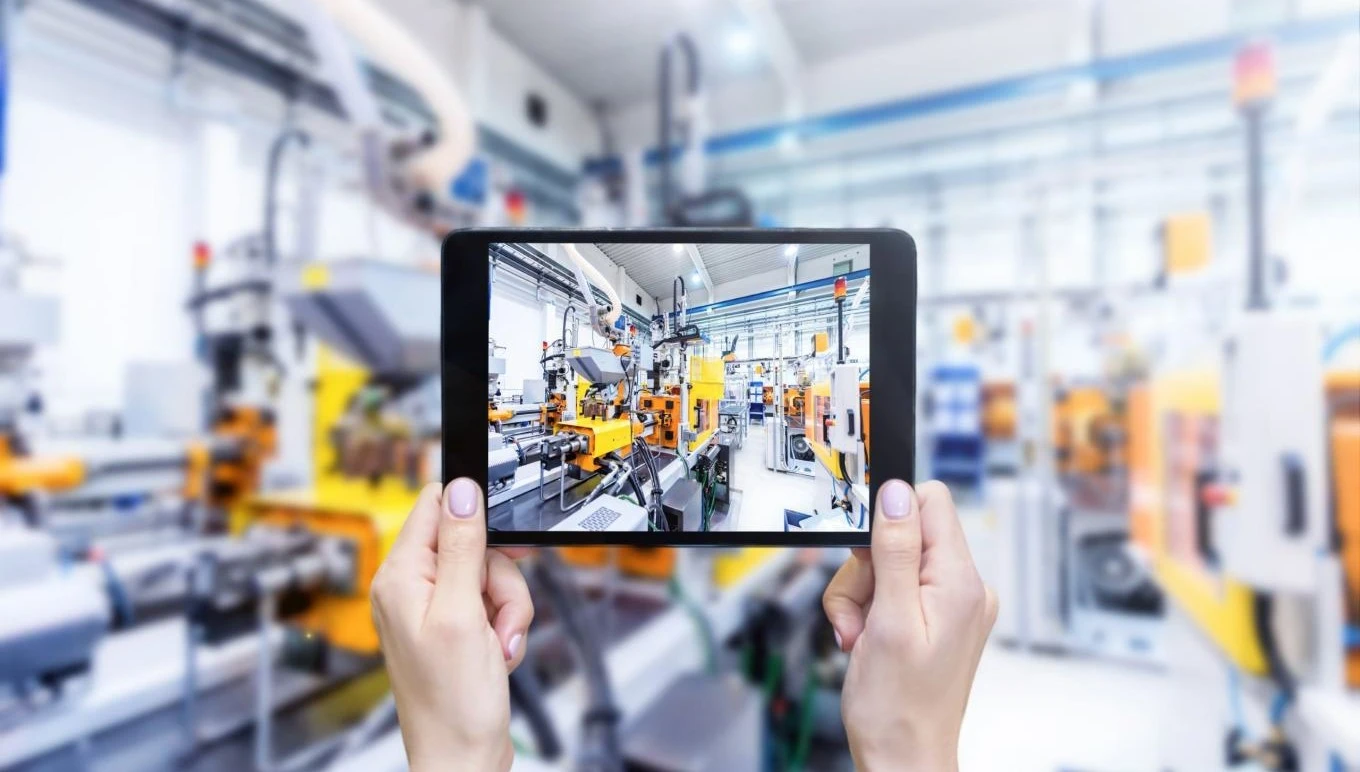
(664,388)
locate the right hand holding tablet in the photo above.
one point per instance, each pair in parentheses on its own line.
(914,615)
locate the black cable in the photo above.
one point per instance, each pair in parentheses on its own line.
(570,307)
(675,302)
(1263,612)
(599,751)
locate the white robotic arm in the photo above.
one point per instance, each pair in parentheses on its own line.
(413,182)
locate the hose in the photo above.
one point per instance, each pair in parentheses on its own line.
(271,185)
(593,274)
(675,299)
(570,307)
(526,693)
(599,750)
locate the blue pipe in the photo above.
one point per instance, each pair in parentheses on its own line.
(1352,636)
(1338,340)
(807,285)
(1042,82)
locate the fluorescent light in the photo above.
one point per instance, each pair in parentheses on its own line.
(740,42)
(679,249)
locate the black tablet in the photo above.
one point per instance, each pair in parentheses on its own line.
(662,387)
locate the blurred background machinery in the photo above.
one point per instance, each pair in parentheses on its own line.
(1137,356)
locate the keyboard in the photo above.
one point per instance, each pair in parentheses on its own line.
(600,519)
(605,513)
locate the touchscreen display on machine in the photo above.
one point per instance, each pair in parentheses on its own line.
(679,388)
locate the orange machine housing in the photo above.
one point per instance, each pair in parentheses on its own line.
(1343,402)
(666,408)
(1088,432)
(998,410)
(794,401)
(642,562)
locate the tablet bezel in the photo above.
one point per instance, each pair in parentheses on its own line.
(465,306)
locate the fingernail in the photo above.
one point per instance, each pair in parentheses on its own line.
(896,498)
(463,497)
(512,648)
(840,645)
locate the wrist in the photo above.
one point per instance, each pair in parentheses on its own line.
(455,757)
(902,756)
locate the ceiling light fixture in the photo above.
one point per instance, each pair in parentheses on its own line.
(791,251)
(679,248)
(740,42)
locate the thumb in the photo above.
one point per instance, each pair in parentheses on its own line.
(895,547)
(460,567)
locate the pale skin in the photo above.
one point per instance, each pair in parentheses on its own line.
(911,612)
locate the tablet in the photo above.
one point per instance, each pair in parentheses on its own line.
(665,387)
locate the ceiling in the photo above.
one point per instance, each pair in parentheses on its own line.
(608,50)
(655,266)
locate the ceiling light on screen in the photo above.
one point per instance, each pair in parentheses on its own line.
(740,42)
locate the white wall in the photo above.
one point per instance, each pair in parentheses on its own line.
(101,182)
(497,78)
(987,50)
(113,178)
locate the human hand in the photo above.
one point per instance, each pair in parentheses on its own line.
(914,615)
(452,618)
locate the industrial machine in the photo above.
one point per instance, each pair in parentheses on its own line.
(1236,510)
(627,425)
(837,421)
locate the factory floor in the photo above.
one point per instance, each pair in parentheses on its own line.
(1044,713)
(765,493)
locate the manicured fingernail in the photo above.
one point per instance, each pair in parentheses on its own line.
(512,648)
(463,497)
(896,498)
(839,644)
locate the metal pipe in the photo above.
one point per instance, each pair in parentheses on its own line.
(664,117)
(264,694)
(1256,248)
(775,293)
(840,331)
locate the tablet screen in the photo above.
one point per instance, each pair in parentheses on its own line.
(671,388)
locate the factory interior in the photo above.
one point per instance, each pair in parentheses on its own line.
(738,415)
(1137,361)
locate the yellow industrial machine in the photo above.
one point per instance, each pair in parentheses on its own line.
(370,448)
(602,436)
(219,470)
(365,507)
(1174,422)
(707,378)
(21,475)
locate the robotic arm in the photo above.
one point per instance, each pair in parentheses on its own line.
(409,178)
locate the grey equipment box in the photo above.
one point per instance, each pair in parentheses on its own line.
(702,723)
(683,505)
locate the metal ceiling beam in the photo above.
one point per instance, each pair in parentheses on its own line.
(694,257)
